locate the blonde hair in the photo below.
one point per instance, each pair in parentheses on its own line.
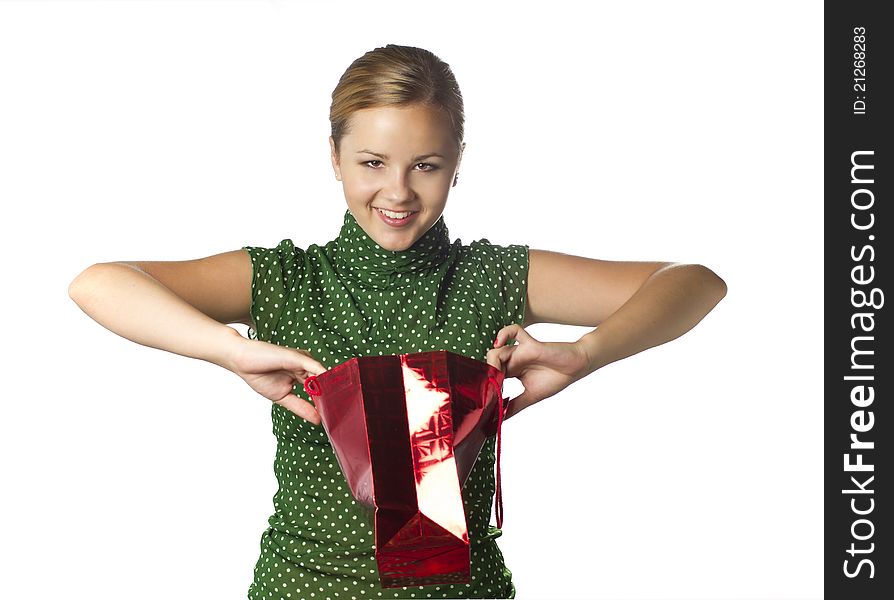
(396,76)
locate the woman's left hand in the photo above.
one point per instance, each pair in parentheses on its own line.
(544,368)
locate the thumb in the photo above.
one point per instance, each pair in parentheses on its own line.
(300,407)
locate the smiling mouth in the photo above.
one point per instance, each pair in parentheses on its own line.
(391,214)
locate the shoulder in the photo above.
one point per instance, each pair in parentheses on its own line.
(276,272)
(496,255)
(284,252)
(284,249)
(283,261)
(501,274)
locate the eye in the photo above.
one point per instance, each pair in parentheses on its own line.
(425,166)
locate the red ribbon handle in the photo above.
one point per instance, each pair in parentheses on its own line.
(311,386)
(498,498)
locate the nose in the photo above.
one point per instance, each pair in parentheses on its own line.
(398,188)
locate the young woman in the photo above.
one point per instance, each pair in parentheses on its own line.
(391,282)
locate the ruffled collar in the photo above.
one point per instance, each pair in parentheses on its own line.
(362,258)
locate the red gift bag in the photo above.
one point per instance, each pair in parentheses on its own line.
(407,429)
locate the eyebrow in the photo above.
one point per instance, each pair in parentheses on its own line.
(385,157)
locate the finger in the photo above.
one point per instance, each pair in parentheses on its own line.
(498,357)
(300,407)
(510,332)
(300,363)
(493,358)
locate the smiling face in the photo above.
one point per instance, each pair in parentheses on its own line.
(401,159)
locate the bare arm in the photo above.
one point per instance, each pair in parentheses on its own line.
(147,303)
(669,303)
(183,307)
(633,305)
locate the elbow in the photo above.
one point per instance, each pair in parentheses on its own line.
(701,278)
(701,275)
(713,281)
(79,287)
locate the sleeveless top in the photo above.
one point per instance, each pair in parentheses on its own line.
(347,298)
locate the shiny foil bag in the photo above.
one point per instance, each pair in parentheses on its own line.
(407,429)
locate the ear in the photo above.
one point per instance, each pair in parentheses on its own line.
(334,157)
(458,161)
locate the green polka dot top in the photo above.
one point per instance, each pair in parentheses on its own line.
(348,298)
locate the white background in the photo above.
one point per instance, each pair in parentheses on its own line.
(680,131)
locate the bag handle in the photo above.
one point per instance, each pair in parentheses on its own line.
(311,386)
(501,409)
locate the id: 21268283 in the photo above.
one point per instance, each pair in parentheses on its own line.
(860,70)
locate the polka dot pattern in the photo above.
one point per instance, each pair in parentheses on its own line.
(351,297)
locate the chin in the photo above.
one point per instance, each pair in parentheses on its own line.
(396,247)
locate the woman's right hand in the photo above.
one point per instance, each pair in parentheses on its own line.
(272,371)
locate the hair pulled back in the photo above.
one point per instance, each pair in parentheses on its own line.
(396,76)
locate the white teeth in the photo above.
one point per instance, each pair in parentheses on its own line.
(394,215)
